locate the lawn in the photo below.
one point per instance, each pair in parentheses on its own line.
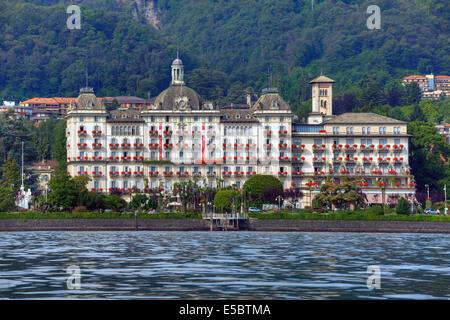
(348,215)
(94,215)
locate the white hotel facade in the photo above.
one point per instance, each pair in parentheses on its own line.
(181,138)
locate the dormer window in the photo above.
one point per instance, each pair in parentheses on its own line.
(124,116)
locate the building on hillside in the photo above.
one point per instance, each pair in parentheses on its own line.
(16,111)
(57,106)
(44,171)
(444,131)
(432,87)
(130,102)
(182,137)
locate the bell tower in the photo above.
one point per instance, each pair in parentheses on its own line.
(322,95)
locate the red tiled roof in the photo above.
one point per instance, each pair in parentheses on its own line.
(442,77)
(414,76)
(50,163)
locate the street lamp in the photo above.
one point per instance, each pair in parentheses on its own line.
(428,190)
(279,198)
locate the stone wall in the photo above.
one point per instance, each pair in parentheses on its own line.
(103,224)
(349,226)
(203,225)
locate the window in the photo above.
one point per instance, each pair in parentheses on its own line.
(335,130)
(281,119)
(181,118)
(195,118)
(363,130)
(210,118)
(349,130)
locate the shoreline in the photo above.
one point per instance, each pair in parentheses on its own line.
(263,225)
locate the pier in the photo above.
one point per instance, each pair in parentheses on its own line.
(227,221)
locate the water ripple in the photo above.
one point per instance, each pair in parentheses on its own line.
(223,265)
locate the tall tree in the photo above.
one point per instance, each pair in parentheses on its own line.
(59,150)
(11,177)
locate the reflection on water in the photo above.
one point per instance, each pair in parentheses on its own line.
(223,265)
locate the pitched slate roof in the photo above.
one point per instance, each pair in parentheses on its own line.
(362,118)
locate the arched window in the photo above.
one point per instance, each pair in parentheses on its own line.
(120,130)
(133,130)
(325,104)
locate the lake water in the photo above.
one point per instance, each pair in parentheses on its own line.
(223,265)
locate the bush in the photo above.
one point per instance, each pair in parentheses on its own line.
(403,206)
(255,186)
(114,202)
(376,210)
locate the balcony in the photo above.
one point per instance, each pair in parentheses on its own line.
(282,174)
(297,173)
(211,174)
(125,158)
(126,173)
(138,145)
(82,133)
(350,148)
(367,160)
(282,133)
(114,145)
(282,146)
(337,160)
(249,173)
(383,148)
(136,158)
(97,174)
(337,147)
(153,173)
(398,160)
(298,159)
(196,174)
(97,133)
(397,148)
(318,159)
(153,133)
(125,145)
(239,173)
(298,147)
(182,174)
(267,133)
(82,173)
(168,174)
(167,133)
(211,133)
(318,147)
(153,145)
(81,145)
(138,173)
(283,159)
(196,133)
(226,174)
(96,145)
(168,145)
(114,173)
(267,145)
(111,158)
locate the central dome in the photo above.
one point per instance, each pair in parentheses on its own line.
(178,97)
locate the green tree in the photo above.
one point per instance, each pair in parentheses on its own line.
(411,94)
(340,196)
(11,177)
(428,155)
(59,149)
(255,185)
(64,193)
(224,200)
(7,202)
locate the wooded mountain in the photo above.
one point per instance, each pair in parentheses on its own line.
(227,43)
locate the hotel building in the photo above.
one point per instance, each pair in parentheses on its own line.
(180,137)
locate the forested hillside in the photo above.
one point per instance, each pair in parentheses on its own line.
(236,40)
